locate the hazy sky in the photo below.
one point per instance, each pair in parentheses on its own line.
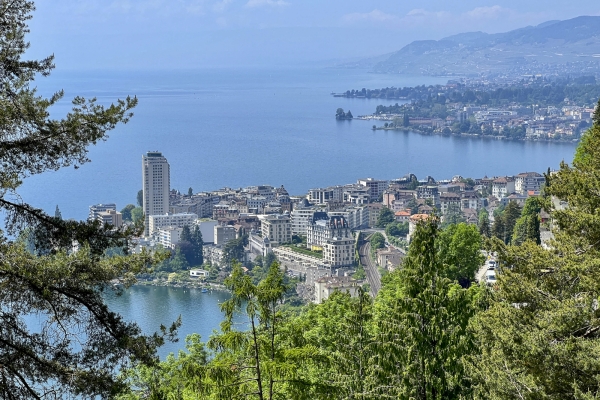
(134,34)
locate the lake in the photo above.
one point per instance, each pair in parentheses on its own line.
(151,306)
(240,127)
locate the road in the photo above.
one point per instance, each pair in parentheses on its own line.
(371,270)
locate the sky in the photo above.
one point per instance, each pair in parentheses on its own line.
(188,34)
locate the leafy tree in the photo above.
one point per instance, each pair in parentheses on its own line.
(190,192)
(377,242)
(412,204)
(126,212)
(422,319)
(78,343)
(178,262)
(234,250)
(484,223)
(527,226)
(459,251)
(406,120)
(386,217)
(397,229)
(596,116)
(252,362)
(505,221)
(137,214)
(453,216)
(191,245)
(140,198)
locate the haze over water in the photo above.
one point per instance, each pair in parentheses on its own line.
(239,127)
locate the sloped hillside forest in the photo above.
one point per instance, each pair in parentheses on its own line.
(432,332)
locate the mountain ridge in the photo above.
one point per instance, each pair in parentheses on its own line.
(569,46)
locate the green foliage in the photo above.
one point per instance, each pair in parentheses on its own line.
(397,229)
(190,192)
(140,198)
(191,245)
(422,319)
(377,241)
(527,226)
(126,212)
(386,217)
(459,251)
(505,221)
(77,344)
(234,250)
(137,214)
(57,213)
(306,252)
(484,223)
(453,216)
(540,336)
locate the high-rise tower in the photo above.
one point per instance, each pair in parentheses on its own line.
(156,183)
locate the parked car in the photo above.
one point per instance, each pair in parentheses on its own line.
(490,277)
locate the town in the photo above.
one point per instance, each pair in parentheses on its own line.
(318,237)
(534,108)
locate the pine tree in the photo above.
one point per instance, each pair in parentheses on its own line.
(422,324)
(540,336)
(79,344)
(57,213)
(484,224)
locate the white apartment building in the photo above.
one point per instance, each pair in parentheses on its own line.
(300,218)
(326,286)
(323,196)
(207,229)
(356,216)
(175,220)
(527,181)
(376,187)
(332,234)
(169,237)
(110,217)
(223,234)
(155,185)
(357,194)
(277,228)
(502,187)
(98,208)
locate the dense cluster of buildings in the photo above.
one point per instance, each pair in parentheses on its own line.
(537,122)
(323,221)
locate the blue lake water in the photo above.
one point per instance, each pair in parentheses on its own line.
(150,307)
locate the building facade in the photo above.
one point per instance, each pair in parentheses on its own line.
(98,208)
(175,220)
(110,217)
(277,228)
(156,182)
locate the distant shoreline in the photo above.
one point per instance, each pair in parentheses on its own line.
(474,135)
(187,285)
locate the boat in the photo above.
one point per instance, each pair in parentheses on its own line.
(204,290)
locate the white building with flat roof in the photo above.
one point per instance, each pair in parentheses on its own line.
(156,182)
(169,237)
(171,220)
(110,217)
(207,229)
(98,208)
(277,228)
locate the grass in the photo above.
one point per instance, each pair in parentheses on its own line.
(306,252)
